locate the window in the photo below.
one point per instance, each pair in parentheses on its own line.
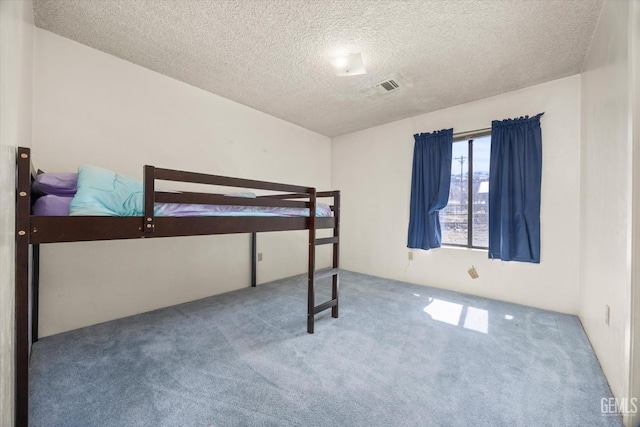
(465,219)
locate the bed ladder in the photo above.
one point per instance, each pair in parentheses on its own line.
(332,271)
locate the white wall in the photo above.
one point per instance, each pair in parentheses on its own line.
(634,74)
(372,168)
(606,189)
(90,107)
(16,78)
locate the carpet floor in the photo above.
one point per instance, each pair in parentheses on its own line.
(399,355)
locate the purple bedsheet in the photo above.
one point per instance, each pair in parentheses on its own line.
(175,209)
(59,206)
(52,206)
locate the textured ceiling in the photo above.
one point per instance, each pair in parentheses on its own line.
(273,55)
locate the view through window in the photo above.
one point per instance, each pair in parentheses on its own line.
(465,219)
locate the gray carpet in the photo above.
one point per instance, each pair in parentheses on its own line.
(399,355)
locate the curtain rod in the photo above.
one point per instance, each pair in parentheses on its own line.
(470,133)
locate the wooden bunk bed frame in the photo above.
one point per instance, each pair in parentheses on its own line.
(31,231)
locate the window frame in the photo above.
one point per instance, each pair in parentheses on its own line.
(469,137)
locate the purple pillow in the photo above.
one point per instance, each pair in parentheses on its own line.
(57,184)
(52,206)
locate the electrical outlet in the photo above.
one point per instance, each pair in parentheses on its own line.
(259,256)
(472,272)
(607,313)
(410,256)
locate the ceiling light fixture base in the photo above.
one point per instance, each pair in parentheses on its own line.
(349,64)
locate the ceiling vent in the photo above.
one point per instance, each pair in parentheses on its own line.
(388,85)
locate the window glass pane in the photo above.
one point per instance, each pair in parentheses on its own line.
(453,218)
(480,194)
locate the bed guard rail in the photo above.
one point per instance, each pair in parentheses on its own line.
(151,196)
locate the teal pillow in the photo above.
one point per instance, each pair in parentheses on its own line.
(105,193)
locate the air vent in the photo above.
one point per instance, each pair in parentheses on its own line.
(388,85)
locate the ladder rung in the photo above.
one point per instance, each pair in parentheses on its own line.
(324,306)
(326,272)
(327,240)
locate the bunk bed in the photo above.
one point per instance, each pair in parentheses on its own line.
(33,230)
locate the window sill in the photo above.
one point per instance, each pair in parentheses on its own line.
(464,248)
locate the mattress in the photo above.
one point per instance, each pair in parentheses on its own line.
(51,205)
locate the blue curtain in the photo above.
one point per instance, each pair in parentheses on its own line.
(429,187)
(514,189)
